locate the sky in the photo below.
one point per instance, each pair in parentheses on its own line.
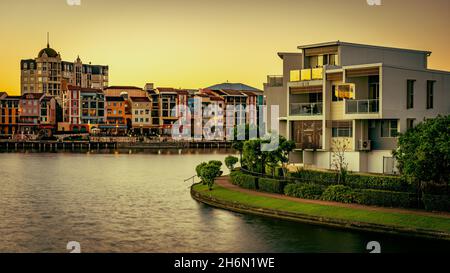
(199,43)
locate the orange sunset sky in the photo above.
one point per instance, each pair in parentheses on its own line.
(197,43)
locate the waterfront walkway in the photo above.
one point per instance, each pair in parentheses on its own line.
(225,182)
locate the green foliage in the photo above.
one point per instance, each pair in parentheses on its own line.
(231,161)
(356,181)
(339,193)
(198,170)
(244,180)
(210,172)
(272,185)
(436,202)
(305,191)
(424,151)
(385,198)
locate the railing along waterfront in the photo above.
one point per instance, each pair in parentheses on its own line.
(362,106)
(306,109)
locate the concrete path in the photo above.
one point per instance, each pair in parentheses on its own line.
(225,182)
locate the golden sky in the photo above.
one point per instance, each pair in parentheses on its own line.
(198,43)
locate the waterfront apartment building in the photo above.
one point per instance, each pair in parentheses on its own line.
(141,118)
(116,120)
(9,114)
(83,109)
(125,91)
(363,95)
(29,113)
(164,112)
(47,73)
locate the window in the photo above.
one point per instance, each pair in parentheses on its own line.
(410,94)
(430,94)
(136,120)
(342,129)
(333,94)
(410,123)
(389,128)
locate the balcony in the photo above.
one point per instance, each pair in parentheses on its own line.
(362,106)
(306,74)
(306,109)
(274,81)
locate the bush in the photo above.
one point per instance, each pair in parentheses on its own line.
(436,202)
(339,193)
(198,170)
(272,185)
(385,198)
(305,191)
(244,180)
(231,161)
(356,181)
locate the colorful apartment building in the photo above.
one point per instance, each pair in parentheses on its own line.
(83,109)
(362,95)
(9,114)
(141,118)
(30,113)
(116,119)
(164,108)
(47,119)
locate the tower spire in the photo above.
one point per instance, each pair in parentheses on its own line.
(48,40)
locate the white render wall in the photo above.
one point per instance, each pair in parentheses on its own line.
(394,90)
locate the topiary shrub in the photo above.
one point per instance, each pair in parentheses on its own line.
(436,202)
(271,185)
(305,191)
(339,193)
(385,198)
(231,161)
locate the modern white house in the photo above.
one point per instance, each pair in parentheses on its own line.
(359,94)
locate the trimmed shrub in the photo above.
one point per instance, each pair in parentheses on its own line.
(385,198)
(339,193)
(305,191)
(231,161)
(436,202)
(272,185)
(356,181)
(244,180)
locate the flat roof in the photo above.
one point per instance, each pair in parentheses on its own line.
(338,43)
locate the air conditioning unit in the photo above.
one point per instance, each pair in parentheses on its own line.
(364,145)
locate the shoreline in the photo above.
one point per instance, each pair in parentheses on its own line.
(333,222)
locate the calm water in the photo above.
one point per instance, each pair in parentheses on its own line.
(139,203)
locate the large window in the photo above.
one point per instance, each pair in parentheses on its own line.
(430,94)
(410,94)
(389,128)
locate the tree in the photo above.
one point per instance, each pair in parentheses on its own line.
(198,170)
(210,172)
(423,153)
(240,136)
(339,163)
(230,162)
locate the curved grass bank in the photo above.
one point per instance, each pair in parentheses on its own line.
(434,227)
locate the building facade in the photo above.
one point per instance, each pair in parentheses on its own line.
(9,114)
(141,118)
(47,74)
(115,115)
(359,95)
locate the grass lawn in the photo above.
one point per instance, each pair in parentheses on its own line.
(356,215)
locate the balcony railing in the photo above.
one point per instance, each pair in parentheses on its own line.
(307,74)
(362,106)
(306,109)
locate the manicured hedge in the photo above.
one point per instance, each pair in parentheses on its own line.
(305,191)
(271,185)
(339,193)
(436,202)
(244,180)
(356,181)
(385,198)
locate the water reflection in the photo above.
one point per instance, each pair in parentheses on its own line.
(122,202)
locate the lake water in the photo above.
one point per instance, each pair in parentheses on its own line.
(140,203)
